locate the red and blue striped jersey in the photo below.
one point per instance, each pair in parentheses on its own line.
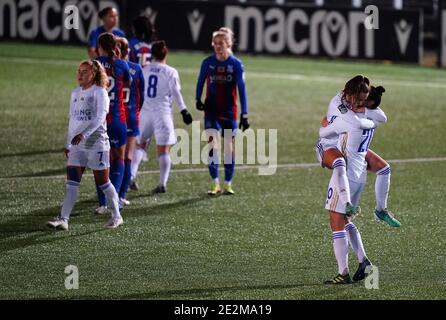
(119,77)
(134,94)
(222,80)
(94,35)
(140,52)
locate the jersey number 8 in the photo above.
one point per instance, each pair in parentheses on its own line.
(151,89)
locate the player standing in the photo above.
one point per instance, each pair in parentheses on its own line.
(133,100)
(156,119)
(224,74)
(87,142)
(109,17)
(119,77)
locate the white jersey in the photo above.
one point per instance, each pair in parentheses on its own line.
(353,143)
(338,107)
(162,84)
(88,109)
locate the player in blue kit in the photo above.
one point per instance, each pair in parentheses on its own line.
(119,77)
(109,17)
(141,43)
(133,100)
(223,74)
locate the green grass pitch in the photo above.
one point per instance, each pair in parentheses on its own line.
(270,241)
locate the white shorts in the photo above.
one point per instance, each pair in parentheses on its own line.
(158,125)
(332,201)
(93,159)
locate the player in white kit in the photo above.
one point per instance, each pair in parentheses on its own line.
(87,142)
(353,144)
(162,84)
(329,156)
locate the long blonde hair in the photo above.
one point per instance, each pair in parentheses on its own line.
(100,76)
(227,34)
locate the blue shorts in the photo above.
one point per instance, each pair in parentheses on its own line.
(213,122)
(132,131)
(117,134)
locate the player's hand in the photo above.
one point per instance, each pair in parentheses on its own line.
(77,139)
(199,105)
(187,117)
(244,124)
(66,151)
(324,122)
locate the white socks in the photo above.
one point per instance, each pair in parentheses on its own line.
(382,185)
(138,155)
(112,198)
(341,181)
(165,163)
(71,192)
(340,247)
(354,237)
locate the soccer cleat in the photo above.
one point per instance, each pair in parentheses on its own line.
(58,223)
(386,216)
(101,210)
(123,202)
(133,185)
(340,279)
(114,223)
(159,189)
(360,274)
(352,211)
(227,189)
(215,189)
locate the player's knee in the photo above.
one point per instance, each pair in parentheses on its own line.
(384,171)
(73,174)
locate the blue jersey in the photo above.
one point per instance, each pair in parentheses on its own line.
(94,35)
(140,52)
(134,96)
(222,79)
(119,77)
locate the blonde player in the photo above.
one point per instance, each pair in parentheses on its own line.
(87,142)
(162,84)
(353,143)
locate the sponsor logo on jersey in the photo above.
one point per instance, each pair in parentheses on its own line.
(342,109)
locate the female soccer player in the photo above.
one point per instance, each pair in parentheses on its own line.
(140,52)
(109,17)
(141,43)
(87,142)
(329,156)
(119,77)
(353,143)
(163,87)
(223,73)
(133,100)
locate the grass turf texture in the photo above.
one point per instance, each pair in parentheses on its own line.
(270,241)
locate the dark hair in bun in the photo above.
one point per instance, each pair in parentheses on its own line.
(375,96)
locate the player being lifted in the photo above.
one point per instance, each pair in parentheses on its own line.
(353,142)
(87,142)
(224,74)
(329,155)
(133,100)
(119,77)
(156,119)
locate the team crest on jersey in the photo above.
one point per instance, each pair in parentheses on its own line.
(90,101)
(221,69)
(230,68)
(342,109)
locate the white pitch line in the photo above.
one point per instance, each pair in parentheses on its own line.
(253,74)
(241,167)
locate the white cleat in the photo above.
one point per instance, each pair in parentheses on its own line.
(100,210)
(58,223)
(114,223)
(123,202)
